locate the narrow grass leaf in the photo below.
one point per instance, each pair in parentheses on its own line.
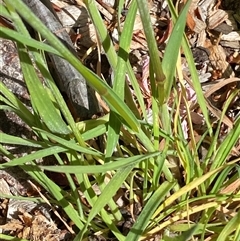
(88,125)
(41,64)
(27,41)
(21,109)
(195,183)
(116,164)
(143,9)
(120,8)
(14,140)
(119,78)
(39,96)
(56,192)
(34,156)
(108,192)
(222,177)
(11,238)
(94,132)
(93,80)
(186,235)
(229,228)
(226,146)
(71,145)
(137,91)
(172,49)
(147,212)
(110,51)
(193,71)
(102,32)
(4,12)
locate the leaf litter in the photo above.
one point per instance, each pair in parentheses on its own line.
(213,30)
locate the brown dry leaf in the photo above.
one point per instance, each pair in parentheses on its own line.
(191,22)
(13,225)
(194,19)
(231,188)
(218,85)
(216,18)
(218,58)
(25,217)
(25,233)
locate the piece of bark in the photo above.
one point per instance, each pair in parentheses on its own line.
(67,77)
(216,18)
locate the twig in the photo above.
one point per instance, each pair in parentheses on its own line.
(67,77)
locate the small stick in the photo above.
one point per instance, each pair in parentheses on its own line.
(69,80)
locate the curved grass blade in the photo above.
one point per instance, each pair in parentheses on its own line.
(39,96)
(56,192)
(71,145)
(143,9)
(34,156)
(14,140)
(147,212)
(119,78)
(115,165)
(193,71)
(172,49)
(115,103)
(107,193)
(195,183)
(30,42)
(111,53)
(20,108)
(230,227)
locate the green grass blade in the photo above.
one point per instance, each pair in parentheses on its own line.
(39,96)
(56,192)
(108,192)
(116,164)
(102,32)
(119,78)
(195,183)
(71,145)
(147,212)
(21,109)
(230,227)
(34,156)
(10,238)
(93,80)
(14,140)
(137,91)
(193,71)
(230,140)
(143,9)
(110,51)
(27,41)
(40,62)
(197,84)
(57,96)
(172,49)
(225,148)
